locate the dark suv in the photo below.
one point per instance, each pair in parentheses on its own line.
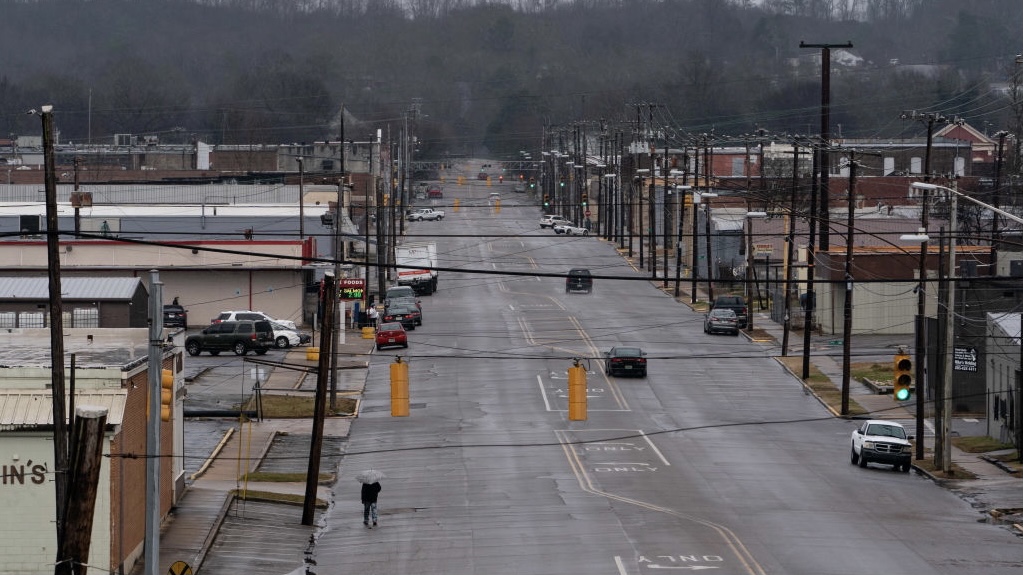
(240,337)
(579,279)
(735,303)
(175,316)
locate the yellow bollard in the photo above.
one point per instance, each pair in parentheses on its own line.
(454,204)
(497,206)
(399,388)
(577,392)
(312,354)
(368,333)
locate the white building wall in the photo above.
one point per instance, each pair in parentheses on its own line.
(28,538)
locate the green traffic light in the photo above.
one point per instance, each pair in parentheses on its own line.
(902,394)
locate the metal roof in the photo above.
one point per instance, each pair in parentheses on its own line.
(72,288)
(22,409)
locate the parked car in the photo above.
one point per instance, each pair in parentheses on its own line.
(175,316)
(425,214)
(408,316)
(625,360)
(391,334)
(285,338)
(721,320)
(434,193)
(735,303)
(579,279)
(251,315)
(882,441)
(549,221)
(494,196)
(240,337)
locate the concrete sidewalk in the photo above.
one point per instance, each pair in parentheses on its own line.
(189,531)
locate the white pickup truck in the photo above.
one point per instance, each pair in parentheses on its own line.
(425,214)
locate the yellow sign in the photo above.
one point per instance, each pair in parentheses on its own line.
(180,568)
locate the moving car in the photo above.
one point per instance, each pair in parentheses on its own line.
(425,214)
(408,316)
(549,221)
(285,338)
(434,193)
(579,279)
(882,441)
(406,302)
(252,316)
(721,320)
(625,360)
(240,337)
(570,229)
(391,334)
(482,176)
(175,316)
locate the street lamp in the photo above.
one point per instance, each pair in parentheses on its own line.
(750,216)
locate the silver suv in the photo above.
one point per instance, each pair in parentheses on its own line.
(551,221)
(252,316)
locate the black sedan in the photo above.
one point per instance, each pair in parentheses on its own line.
(625,360)
(407,316)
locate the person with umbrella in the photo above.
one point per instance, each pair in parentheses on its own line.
(370,489)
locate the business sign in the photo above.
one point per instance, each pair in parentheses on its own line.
(964,359)
(763,249)
(352,288)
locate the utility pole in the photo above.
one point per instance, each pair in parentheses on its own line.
(381,221)
(694,267)
(790,248)
(995,197)
(848,306)
(666,219)
(312,478)
(301,200)
(153,459)
(811,260)
(56,307)
(825,161)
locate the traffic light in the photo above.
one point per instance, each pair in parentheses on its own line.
(562,182)
(903,377)
(532,183)
(166,394)
(585,199)
(546,201)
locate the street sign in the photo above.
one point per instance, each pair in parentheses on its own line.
(180,568)
(352,288)
(964,359)
(587,213)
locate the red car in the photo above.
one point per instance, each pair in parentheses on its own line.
(390,334)
(434,193)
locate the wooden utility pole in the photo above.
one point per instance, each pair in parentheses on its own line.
(825,162)
(83,473)
(848,307)
(320,404)
(56,308)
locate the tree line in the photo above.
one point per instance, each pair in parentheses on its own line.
(487,76)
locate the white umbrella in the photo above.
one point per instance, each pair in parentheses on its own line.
(369,476)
